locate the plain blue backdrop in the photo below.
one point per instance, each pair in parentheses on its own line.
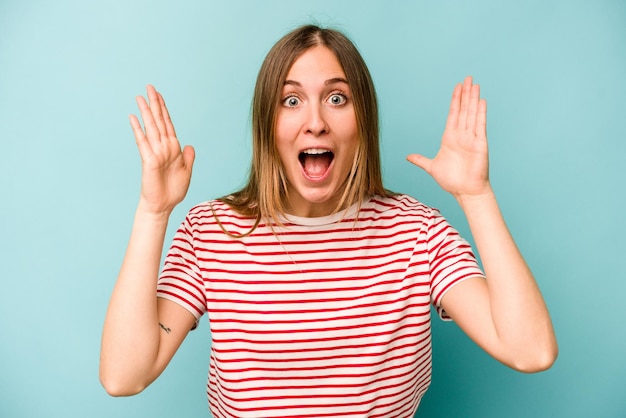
(553,73)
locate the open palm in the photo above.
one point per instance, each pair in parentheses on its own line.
(166,170)
(461,166)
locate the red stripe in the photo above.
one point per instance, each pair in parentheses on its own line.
(334,318)
(321,339)
(337,348)
(316,310)
(286,359)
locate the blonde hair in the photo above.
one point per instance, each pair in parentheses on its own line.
(265,194)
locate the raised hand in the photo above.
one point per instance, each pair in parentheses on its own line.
(461,167)
(166,169)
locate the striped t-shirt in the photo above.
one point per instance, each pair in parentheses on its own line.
(324,317)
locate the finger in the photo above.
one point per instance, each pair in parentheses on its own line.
(465,98)
(189,155)
(455,105)
(134,123)
(169,126)
(481,119)
(473,108)
(152,131)
(155,108)
(420,161)
(140,137)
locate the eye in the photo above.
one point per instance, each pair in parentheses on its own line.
(291,101)
(337,99)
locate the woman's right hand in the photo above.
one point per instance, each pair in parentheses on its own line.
(166,169)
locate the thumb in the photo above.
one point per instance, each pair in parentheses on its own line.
(189,155)
(420,161)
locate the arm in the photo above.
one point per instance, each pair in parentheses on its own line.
(141,333)
(505,314)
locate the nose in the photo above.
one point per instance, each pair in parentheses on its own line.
(316,123)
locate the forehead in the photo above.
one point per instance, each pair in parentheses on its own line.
(317,63)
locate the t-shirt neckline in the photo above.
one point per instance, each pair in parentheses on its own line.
(347,213)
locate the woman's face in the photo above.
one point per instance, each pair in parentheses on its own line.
(316,133)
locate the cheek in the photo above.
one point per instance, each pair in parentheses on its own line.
(346,124)
(281,135)
(350,133)
(286,125)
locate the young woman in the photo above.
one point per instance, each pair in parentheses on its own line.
(316,279)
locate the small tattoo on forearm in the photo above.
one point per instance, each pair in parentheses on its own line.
(164,328)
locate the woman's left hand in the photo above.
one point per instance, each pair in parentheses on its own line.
(505,314)
(461,167)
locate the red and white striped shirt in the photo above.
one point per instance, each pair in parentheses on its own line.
(324,317)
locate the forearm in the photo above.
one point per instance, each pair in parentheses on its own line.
(130,340)
(520,317)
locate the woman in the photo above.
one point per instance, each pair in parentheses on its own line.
(318,281)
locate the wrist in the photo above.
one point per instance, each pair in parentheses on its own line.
(468,201)
(148,213)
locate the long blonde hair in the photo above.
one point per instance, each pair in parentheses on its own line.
(264,196)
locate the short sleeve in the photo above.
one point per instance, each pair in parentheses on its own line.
(180,280)
(451,260)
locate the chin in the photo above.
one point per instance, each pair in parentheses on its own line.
(317,202)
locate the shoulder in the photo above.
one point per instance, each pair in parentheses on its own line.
(216,215)
(399,204)
(211,208)
(399,212)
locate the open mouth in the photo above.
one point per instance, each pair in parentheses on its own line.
(316,161)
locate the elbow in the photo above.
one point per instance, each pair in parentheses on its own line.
(118,386)
(538,361)
(122,377)
(119,391)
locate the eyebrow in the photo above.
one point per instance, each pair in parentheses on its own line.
(330,81)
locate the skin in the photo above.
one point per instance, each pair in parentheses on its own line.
(316,113)
(505,314)
(135,347)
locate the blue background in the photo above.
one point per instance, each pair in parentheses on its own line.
(553,73)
